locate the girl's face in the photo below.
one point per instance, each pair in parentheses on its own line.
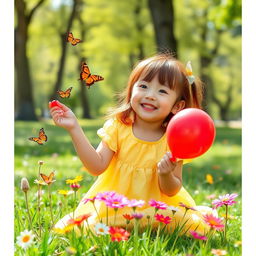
(153,102)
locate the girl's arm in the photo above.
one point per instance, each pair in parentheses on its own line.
(96,161)
(169,175)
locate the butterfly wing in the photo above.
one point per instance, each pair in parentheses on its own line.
(36,139)
(65,94)
(76,41)
(70,37)
(85,71)
(44,177)
(93,78)
(42,135)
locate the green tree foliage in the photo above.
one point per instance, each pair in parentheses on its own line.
(119,33)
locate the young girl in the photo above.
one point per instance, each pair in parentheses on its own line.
(133,158)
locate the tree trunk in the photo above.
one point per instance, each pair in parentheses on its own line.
(25,109)
(57,85)
(162,13)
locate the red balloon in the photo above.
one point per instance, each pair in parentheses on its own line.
(190,133)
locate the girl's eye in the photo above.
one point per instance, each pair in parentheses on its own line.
(143,86)
(163,91)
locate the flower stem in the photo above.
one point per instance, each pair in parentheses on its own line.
(226,223)
(74,206)
(29,217)
(50,201)
(39,208)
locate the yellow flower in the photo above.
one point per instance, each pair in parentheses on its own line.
(209,179)
(64,230)
(70,250)
(75,180)
(65,192)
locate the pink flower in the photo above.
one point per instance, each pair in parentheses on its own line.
(227,199)
(116,201)
(137,216)
(103,196)
(118,234)
(75,186)
(157,204)
(186,206)
(198,236)
(135,203)
(164,219)
(213,222)
(89,199)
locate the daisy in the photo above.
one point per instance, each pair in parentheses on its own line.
(135,203)
(173,209)
(63,231)
(25,239)
(116,201)
(137,216)
(101,229)
(227,199)
(103,196)
(65,192)
(213,222)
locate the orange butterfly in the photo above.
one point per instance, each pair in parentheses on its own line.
(41,139)
(72,40)
(65,94)
(48,179)
(86,75)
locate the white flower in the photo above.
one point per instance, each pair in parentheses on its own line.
(173,209)
(101,229)
(25,239)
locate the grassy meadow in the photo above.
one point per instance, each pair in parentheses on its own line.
(218,172)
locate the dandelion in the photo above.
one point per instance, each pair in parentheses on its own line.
(227,199)
(24,185)
(196,235)
(75,180)
(158,205)
(163,219)
(213,222)
(218,252)
(118,234)
(25,239)
(101,229)
(209,179)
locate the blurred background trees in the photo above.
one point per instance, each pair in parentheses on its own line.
(116,35)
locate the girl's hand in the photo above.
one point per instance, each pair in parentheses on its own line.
(166,166)
(63,116)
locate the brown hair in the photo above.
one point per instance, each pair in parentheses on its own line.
(170,72)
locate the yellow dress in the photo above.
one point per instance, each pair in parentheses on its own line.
(133,173)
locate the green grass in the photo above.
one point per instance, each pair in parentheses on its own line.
(222,161)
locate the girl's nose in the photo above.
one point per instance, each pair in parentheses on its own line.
(150,95)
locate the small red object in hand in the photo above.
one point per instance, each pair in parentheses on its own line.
(54,104)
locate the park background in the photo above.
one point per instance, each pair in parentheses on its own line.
(116,34)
